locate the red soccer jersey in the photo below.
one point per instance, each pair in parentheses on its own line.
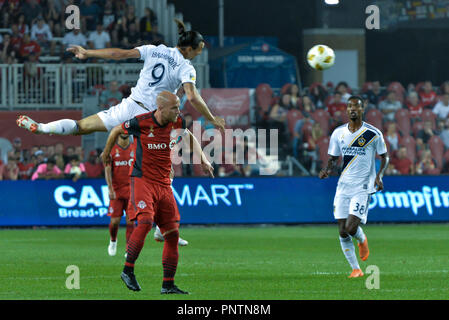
(428,98)
(122,159)
(28,48)
(153,146)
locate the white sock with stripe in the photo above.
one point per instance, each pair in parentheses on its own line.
(360,235)
(62,127)
(349,251)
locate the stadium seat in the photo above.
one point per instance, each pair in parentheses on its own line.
(322,117)
(436,146)
(264,96)
(417,126)
(410,144)
(427,114)
(292,117)
(402,117)
(374,117)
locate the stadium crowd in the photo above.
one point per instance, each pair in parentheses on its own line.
(34,28)
(414,121)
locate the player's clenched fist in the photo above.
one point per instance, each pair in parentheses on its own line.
(78,51)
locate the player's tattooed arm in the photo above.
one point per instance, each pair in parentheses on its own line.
(198,153)
(108,53)
(112,138)
(331,164)
(383,166)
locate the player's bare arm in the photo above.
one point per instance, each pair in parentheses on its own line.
(383,166)
(198,103)
(108,53)
(331,163)
(108,177)
(112,138)
(198,152)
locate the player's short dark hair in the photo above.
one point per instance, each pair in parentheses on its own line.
(356,97)
(188,38)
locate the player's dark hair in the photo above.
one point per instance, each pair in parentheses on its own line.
(355,97)
(188,38)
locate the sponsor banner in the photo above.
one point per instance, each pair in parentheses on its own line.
(231,104)
(225,200)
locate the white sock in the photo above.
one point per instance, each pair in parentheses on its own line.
(359,235)
(62,127)
(348,250)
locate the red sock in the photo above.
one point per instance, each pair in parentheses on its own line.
(170,256)
(137,239)
(113,230)
(129,230)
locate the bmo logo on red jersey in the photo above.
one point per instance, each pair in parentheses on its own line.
(123,163)
(157,146)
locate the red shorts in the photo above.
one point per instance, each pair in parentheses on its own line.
(154,199)
(116,207)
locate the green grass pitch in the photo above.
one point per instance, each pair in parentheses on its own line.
(272,262)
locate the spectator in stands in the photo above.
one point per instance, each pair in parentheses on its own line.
(30,67)
(99,39)
(444,133)
(28,47)
(318,95)
(392,136)
(30,11)
(16,37)
(75,170)
(376,93)
(90,13)
(389,106)
(53,16)
(426,163)
(401,163)
(277,119)
(293,91)
(17,148)
(131,16)
(93,165)
(112,96)
(108,16)
(297,131)
(5,21)
(343,88)
(11,170)
(69,152)
(74,37)
(50,151)
(26,169)
(445,87)
(5,48)
(410,88)
(148,23)
(132,38)
(310,146)
(79,151)
(307,105)
(286,102)
(40,32)
(427,95)
(424,135)
(47,170)
(59,155)
(337,107)
(414,106)
(367,105)
(441,109)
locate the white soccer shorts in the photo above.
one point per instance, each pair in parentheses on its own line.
(356,205)
(124,111)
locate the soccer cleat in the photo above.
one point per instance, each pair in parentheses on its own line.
(158,235)
(160,238)
(112,248)
(173,290)
(27,123)
(363,249)
(130,280)
(356,273)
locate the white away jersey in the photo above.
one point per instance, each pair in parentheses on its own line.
(164,69)
(358,150)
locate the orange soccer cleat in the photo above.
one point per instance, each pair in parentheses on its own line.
(27,123)
(363,249)
(356,273)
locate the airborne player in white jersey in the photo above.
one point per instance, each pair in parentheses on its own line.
(165,69)
(357,142)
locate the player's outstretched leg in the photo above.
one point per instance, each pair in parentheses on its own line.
(160,238)
(170,257)
(60,127)
(135,245)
